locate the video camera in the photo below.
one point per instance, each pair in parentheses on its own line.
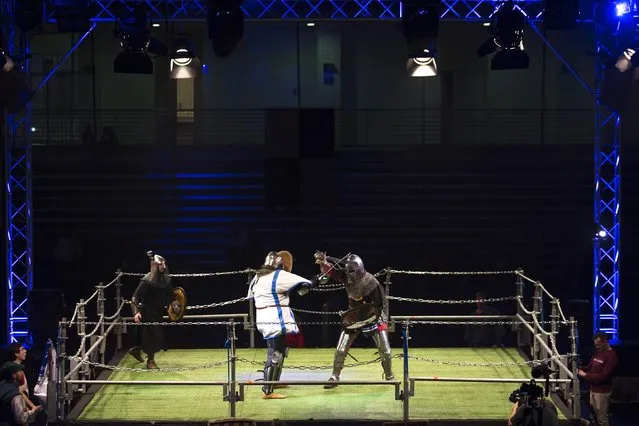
(529,392)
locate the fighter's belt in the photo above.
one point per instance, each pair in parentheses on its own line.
(360,316)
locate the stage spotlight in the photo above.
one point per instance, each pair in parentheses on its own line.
(420,23)
(15,92)
(226,25)
(133,31)
(506,39)
(627,60)
(627,34)
(422,64)
(184,63)
(623,7)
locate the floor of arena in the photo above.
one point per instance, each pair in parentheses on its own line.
(432,400)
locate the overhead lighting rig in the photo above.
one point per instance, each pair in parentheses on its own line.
(225,20)
(506,39)
(420,22)
(132,28)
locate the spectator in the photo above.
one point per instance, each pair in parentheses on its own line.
(598,373)
(484,335)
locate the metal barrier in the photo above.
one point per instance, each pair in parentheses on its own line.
(543,348)
(353,128)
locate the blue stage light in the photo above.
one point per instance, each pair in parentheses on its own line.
(623,7)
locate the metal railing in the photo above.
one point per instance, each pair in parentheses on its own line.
(353,128)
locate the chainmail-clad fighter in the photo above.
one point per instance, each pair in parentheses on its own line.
(270,289)
(361,287)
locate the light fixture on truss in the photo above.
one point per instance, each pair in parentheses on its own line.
(420,23)
(226,25)
(627,34)
(506,39)
(132,29)
(184,62)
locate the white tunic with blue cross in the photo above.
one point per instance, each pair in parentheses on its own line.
(270,293)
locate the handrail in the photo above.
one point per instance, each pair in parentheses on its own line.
(353,127)
(480,379)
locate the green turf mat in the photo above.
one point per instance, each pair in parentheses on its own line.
(432,400)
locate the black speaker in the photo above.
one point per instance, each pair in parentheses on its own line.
(46,307)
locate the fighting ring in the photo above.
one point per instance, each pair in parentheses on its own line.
(149,380)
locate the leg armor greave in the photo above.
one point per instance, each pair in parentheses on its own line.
(274,362)
(343,345)
(384,349)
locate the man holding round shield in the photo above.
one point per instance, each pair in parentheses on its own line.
(149,305)
(366,314)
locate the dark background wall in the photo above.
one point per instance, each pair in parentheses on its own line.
(432,208)
(469,170)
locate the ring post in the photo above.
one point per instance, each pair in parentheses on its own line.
(406,390)
(118,302)
(100,289)
(554,316)
(387,284)
(251,313)
(84,373)
(537,301)
(574,359)
(60,385)
(232,379)
(519,283)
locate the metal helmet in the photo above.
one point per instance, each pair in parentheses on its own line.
(279,260)
(355,267)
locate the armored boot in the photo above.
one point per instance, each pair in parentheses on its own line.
(385,355)
(343,345)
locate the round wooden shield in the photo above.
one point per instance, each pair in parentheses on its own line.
(287,260)
(177,307)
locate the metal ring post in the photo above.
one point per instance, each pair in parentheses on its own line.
(232,395)
(118,302)
(537,301)
(387,284)
(406,387)
(61,366)
(576,390)
(82,319)
(251,274)
(554,316)
(100,290)
(519,283)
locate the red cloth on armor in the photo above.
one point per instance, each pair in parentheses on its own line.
(295,340)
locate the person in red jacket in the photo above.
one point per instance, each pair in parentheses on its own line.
(598,373)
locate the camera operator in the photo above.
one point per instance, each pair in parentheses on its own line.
(531,408)
(534,413)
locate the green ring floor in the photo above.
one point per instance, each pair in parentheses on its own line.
(432,400)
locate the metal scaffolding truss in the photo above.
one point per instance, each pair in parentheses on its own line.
(606,242)
(19,239)
(19,234)
(462,10)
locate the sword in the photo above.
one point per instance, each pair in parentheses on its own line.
(324,274)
